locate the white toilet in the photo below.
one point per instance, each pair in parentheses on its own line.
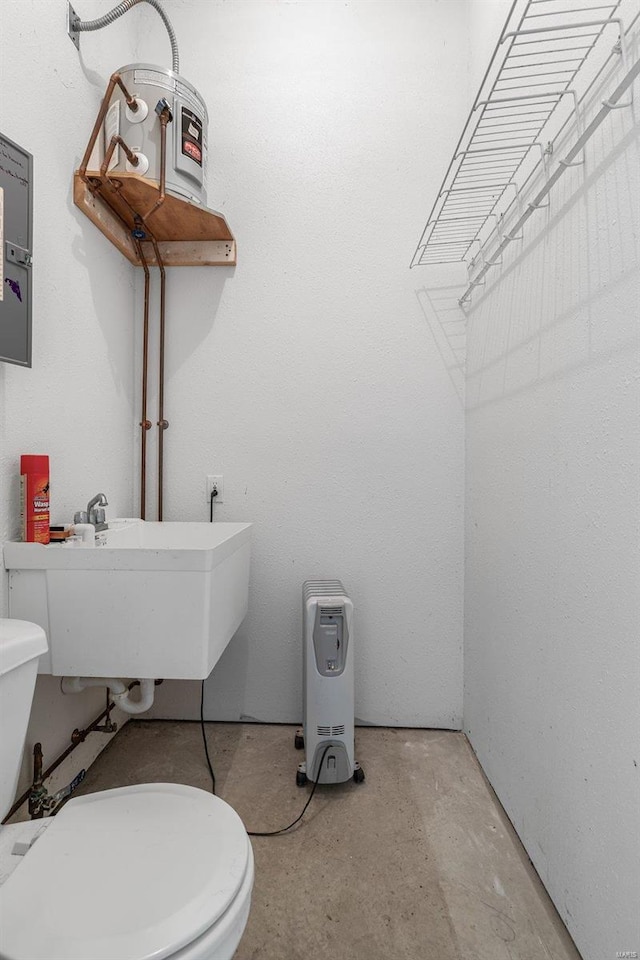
(146,872)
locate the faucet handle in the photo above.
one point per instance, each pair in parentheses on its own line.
(81,516)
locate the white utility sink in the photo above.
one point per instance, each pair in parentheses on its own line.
(157,600)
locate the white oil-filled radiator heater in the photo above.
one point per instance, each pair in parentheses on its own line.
(327,736)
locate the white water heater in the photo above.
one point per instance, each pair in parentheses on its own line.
(186,155)
(328,683)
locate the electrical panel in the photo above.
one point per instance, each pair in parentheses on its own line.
(16,245)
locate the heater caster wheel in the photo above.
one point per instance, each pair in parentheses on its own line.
(358,775)
(299,741)
(301,779)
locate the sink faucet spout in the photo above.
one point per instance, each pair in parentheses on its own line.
(98,501)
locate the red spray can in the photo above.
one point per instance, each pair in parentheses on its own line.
(34,498)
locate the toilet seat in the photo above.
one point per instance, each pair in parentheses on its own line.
(137,873)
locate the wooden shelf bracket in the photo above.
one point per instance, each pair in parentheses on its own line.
(187,235)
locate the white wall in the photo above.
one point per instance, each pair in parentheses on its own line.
(76,403)
(487,19)
(314,376)
(309,376)
(552,596)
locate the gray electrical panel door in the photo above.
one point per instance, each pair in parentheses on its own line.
(16,239)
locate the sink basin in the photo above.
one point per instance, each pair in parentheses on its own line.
(156,600)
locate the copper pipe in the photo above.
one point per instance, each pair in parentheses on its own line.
(145,424)
(114,80)
(37,765)
(164,117)
(113,143)
(37,791)
(77,737)
(162,423)
(115,185)
(130,99)
(97,186)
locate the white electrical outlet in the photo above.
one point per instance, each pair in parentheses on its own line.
(218,482)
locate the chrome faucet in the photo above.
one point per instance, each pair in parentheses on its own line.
(95,512)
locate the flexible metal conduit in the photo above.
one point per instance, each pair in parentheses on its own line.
(122,8)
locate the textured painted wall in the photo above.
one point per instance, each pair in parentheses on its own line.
(76,403)
(552,597)
(309,376)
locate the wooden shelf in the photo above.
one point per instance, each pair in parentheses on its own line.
(187,235)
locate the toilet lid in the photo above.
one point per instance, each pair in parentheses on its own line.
(134,873)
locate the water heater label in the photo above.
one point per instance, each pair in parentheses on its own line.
(192,136)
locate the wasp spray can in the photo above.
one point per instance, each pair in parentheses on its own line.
(34,498)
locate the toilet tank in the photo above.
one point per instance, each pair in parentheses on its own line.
(21,644)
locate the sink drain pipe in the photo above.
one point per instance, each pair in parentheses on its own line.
(120,693)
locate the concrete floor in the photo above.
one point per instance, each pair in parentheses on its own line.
(418,863)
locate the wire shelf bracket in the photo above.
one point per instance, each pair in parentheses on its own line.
(607,106)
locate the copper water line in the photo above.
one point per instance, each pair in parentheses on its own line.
(77,737)
(133,159)
(145,423)
(38,790)
(165,117)
(37,765)
(162,423)
(96,186)
(114,80)
(116,185)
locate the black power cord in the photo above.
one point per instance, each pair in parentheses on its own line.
(274,833)
(214,494)
(204,737)
(257,833)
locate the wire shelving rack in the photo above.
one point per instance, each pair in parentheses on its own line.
(548,52)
